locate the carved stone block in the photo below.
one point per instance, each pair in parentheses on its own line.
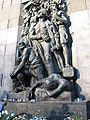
(1,63)
(68,72)
(40,94)
(50,109)
(20,96)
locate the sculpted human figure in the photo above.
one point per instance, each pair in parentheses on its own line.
(28,55)
(54,85)
(63,36)
(60,20)
(58,5)
(42,36)
(26,15)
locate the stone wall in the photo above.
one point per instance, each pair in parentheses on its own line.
(9,17)
(78,5)
(79,12)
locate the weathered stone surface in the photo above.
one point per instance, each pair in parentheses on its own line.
(1,91)
(83,37)
(22,107)
(5,13)
(80,50)
(88,4)
(12,107)
(0,14)
(68,72)
(76,5)
(11,49)
(84,58)
(9,63)
(13,22)
(84,83)
(14,11)
(3,36)
(12,35)
(20,95)
(7,82)
(16,2)
(41,94)
(7,3)
(50,109)
(80,21)
(3,25)
(2,50)
(1,64)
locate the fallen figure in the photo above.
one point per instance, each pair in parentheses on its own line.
(54,84)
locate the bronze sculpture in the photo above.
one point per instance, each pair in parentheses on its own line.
(43,45)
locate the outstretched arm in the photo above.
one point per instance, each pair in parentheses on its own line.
(21,65)
(38,84)
(32,90)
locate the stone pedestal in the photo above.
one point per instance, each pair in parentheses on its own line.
(52,110)
(18,96)
(40,96)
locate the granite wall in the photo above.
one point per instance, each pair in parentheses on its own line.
(79,12)
(9,17)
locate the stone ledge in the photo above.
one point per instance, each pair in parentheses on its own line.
(50,109)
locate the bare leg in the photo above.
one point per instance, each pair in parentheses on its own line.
(59,59)
(66,54)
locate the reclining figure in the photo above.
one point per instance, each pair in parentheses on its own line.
(54,84)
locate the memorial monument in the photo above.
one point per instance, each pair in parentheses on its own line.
(43,50)
(43,59)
